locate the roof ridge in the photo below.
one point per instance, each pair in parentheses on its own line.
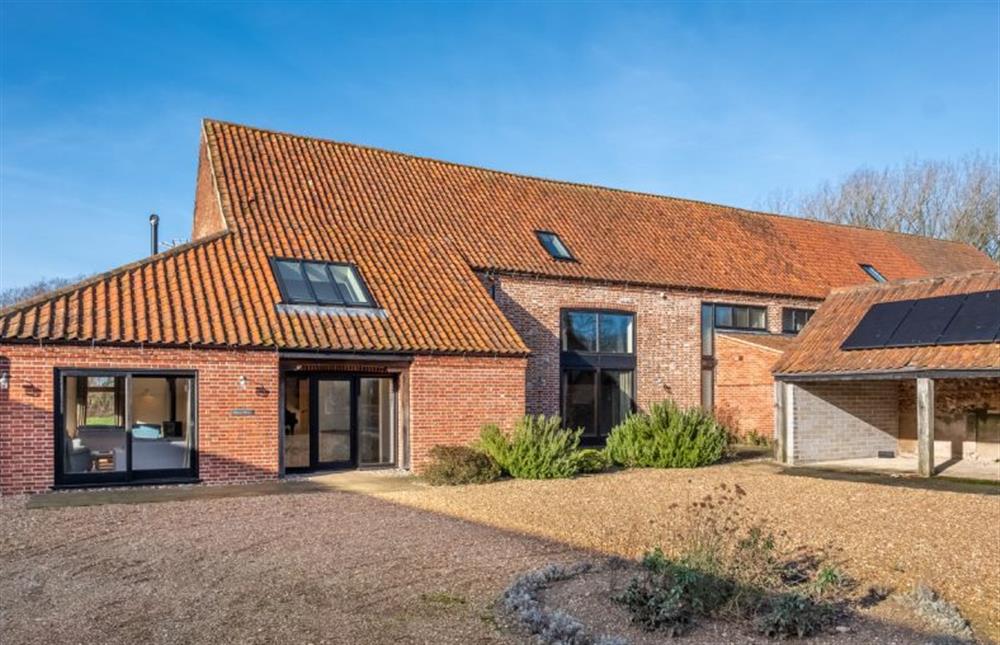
(104,275)
(572,184)
(908,281)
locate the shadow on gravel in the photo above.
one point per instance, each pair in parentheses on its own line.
(945,484)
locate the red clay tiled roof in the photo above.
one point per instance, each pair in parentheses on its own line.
(221,291)
(417,228)
(773,342)
(817,348)
(276,180)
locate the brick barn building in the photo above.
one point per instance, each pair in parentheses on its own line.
(343,306)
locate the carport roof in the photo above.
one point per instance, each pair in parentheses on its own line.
(817,351)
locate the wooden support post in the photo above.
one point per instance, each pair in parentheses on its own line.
(925,427)
(788,405)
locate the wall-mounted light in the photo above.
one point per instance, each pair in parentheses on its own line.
(242,383)
(4,380)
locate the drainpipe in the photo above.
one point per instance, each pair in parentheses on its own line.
(154,233)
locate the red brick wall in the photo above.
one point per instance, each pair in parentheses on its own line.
(668,335)
(744,387)
(230,449)
(452,397)
(208,217)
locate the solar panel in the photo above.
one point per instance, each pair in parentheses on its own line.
(943,320)
(925,321)
(877,325)
(978,321)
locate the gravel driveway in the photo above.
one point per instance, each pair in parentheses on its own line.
(328,567)
(424,565)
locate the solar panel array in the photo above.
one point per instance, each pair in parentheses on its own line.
(945,320)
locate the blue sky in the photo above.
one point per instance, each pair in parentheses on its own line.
(725,102)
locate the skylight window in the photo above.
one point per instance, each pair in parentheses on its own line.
(554,245)
(873,272)
(304,282)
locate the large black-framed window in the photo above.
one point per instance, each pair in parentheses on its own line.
(125,426)
(717,315)
(743,317)
(597,370)
(793,319)
(308,282)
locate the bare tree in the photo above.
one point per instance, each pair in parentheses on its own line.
(14,295)
(955,200)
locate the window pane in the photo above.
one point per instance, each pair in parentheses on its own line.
(296,422)
(873,272)
(578,397)
(93,424)
(375,421)
(616,399)
(788,320)
(616,334)
(349,284)
(707,331)
(326,292)
(741,317)
(579,331)
(295,285)
(554,246)
(758,318)
(334,420)
(161,422)
(707,389)
(723,316)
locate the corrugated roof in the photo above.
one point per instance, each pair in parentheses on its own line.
(817,348)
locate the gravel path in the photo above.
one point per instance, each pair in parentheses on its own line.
(306,568)
(886,535)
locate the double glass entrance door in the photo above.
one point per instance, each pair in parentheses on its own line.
(338,421)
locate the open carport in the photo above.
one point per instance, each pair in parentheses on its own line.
(899,377)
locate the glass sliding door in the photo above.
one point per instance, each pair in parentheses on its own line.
(117,427)
(339,420)
(334,440)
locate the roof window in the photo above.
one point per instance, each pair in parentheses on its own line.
(873,272)
(306,282)
(554,245)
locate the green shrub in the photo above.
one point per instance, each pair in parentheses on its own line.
(453,465)
(669,595)
(792,615)
(590,460)
(668,437)
(755,438)
(538,448)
